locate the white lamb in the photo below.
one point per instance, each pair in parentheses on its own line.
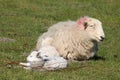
(76,40)
(33,61)
(46,58)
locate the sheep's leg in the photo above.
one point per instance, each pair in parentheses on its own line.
(25,64)
(27,68)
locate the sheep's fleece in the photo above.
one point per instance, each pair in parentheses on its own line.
(76,40)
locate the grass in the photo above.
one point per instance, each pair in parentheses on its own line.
(25,20)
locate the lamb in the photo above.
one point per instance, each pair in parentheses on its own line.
(33,61)
(47,58)
(76,40)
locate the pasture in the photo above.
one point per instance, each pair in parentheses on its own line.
(22,21)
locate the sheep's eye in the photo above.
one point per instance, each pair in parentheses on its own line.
(91,25)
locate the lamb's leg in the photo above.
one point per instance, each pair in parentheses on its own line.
(25,66)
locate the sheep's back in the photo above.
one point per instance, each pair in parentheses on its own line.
(53,30)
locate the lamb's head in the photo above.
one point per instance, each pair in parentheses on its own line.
(93,27)
(34,56)
(33,60)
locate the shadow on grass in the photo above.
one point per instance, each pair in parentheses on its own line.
(96,58)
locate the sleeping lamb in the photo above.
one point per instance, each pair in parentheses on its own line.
(42,60)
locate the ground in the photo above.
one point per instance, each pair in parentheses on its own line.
(24,20)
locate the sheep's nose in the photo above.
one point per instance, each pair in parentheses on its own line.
(102,38)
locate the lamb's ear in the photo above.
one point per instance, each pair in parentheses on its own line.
(38,55)
(85,25)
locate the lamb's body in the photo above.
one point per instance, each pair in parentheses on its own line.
(43,60)
(71,43)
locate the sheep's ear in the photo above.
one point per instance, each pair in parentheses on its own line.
(85,25)
(82,22)
(38,55)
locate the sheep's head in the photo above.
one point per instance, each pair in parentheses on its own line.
(34,56)
(93,27)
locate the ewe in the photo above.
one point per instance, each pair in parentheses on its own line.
(76,40)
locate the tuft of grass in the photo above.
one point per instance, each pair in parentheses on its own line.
(25,20)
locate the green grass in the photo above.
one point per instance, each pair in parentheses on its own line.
(25,20)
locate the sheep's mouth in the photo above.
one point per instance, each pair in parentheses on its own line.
(100,39)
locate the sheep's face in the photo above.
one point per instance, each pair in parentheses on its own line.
(94,29)
(34,56)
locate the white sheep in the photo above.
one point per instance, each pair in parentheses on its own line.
(42,60)
(76,40)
